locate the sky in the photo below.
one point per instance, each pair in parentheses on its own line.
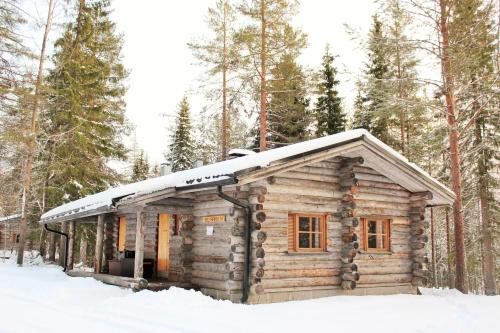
(163,70)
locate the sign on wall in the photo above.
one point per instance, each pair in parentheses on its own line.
(214,218)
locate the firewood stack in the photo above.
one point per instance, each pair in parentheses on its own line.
(349,222)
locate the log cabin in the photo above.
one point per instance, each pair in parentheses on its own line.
(338,215)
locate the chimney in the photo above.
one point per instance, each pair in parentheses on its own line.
(238,152)
(197,164)
(165,169)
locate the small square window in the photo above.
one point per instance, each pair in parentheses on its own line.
(307,233)
(376,234)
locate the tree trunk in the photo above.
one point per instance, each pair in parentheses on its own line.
(71,245)
(433,250)
(62,244)
(456,177)
(43,243)
(448,249)
(27,174)
(83,247)
(98,244)
(52,247)
(488,260)
(263,91)
(224,87)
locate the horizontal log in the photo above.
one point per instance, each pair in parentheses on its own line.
(121,281)
(297,273)
(385,278)
(301,282)
(378,184)
(228,285)
(416,196)
(353,276)
(352,161)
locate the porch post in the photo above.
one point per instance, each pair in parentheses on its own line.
(139,245)
(98,244)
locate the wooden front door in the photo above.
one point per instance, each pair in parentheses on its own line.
(163,244)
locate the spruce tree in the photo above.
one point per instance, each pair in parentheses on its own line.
(85,119)
(140,169)
(181,149)
(328,111)
(289,117)
(376,86)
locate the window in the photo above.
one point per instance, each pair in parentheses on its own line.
(376,234)
(306,233)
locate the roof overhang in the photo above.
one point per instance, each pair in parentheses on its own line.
(243,170)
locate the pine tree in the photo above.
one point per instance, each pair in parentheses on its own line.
(264,43)
(328,111)
(181,149)
(140,169)
(85,119)
(289,117)
(220,54)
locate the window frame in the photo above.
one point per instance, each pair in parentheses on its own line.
(364,226)
(297,232)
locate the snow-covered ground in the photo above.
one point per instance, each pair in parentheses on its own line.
(41,298)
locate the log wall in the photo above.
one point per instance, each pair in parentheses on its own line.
(217,259)
(345,192)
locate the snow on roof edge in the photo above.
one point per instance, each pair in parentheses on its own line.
(219,171)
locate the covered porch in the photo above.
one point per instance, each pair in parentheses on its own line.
(137,246)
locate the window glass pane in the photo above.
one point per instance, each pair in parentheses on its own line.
(372,227)
(372,242)
(304,240)
(303,223)
(316,240)
(384,227)
(315,224)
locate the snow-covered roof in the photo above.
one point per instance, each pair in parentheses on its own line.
(217,172)
(9,218)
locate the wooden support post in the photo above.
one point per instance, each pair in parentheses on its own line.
(139,246)
(52,247)
(71,244)
(98,244)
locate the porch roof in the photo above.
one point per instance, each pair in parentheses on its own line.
(230,171)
